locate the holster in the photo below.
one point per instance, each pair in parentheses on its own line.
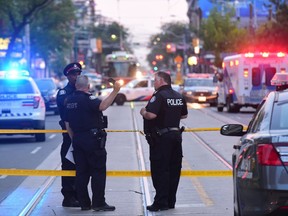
(101,136)
(151,138)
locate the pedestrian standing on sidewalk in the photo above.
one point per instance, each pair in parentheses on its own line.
(86,125)
(71,71)
(162,117)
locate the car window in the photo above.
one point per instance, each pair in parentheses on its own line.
(199,82)
(279,117)
(260,121)
(269,73)
(15,86)
(256,78)
(142,84)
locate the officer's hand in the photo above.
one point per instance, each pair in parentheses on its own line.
(117,86)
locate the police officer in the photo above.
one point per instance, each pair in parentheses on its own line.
(71,71)
(161,126)
(85,124)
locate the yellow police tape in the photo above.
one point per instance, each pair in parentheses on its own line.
(15,172)
(115,173)
(14,131)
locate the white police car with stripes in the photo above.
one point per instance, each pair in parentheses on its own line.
(21,103)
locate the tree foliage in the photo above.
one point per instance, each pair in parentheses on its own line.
(16,15)
(105,31)
(173,32)
(52,34)
(220,34)
(272,35)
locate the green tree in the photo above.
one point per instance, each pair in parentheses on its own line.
(272,35)
(173,32)
(16,14)
(220,34)
(52,35)
(113,36)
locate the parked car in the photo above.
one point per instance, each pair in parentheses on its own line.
(139,89)
(48,89)
(21,103)
(260,160)
(136,90)
(200,88)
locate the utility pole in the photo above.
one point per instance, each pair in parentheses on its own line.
(27,46)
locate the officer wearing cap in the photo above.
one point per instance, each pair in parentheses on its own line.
(162,117)
(85,124)
(71,71)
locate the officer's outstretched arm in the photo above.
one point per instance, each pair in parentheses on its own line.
(106,102)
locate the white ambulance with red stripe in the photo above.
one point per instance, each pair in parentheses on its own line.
(246,79)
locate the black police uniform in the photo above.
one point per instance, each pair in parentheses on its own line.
(68,183)
(164,137)
(89,137)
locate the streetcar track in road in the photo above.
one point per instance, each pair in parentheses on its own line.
(211,150)
(140,156)
(207,201)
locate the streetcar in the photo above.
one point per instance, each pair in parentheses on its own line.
(120,65)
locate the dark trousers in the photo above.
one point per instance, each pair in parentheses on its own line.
(68,183)
(166,163)
(90,161)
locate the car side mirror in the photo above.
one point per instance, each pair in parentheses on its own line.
(232,130)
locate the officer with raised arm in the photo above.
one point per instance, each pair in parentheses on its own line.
(86,125)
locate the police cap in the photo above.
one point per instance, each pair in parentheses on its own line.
(72,68)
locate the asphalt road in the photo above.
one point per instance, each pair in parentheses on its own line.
(128,151)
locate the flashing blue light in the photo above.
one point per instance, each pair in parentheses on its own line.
(16,73)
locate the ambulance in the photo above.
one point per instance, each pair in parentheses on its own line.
(246,79)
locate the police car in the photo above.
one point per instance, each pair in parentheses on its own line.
(260,160)
(140,89)
(21,103)
(200,88)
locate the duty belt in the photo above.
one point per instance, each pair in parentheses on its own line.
(162,131)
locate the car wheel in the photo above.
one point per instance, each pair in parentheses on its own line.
(232,108)
(229,106)
(219,108)
(40,137)
(120,99)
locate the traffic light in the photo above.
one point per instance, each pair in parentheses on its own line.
(99,45)
(154,62)
(159,57)
(170,48)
